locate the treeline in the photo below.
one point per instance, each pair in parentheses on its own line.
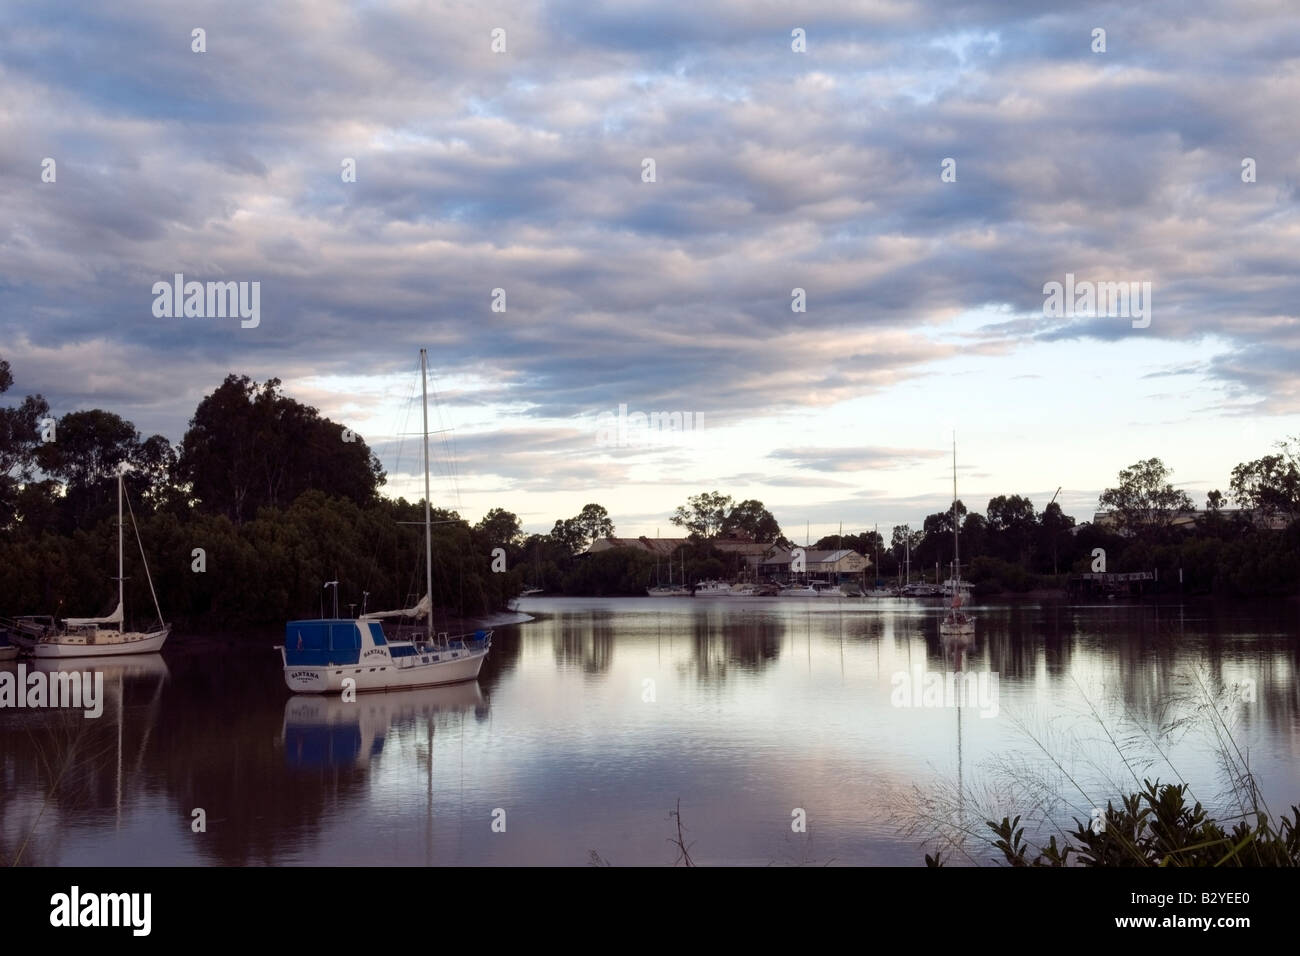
(1252,550)
(262,502)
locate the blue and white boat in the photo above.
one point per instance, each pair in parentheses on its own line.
(323,656)
(319,655)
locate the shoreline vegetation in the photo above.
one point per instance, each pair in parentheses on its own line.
(1106,779)
(263,501)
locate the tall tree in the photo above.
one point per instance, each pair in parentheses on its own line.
(1055,527)
(593,522)
(500,529)
(249,445)
(1012,525)
(703,514)
(1145,501)
(566,534)
(1270,485)
(751,518)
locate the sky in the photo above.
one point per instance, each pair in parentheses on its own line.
(524,170)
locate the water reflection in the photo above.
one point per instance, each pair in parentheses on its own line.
(324,731)
(759,707)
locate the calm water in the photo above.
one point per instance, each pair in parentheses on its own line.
(591,722)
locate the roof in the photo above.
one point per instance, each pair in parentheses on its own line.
(813,556)
(670,545)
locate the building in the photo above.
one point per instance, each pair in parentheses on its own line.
(836,566)
(751,552)
(1188,520)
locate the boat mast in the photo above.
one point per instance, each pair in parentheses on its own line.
(120,581)
(956,557)
(428,509)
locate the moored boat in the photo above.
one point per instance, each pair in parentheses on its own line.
(798,590)
(334,654)
(713,589)
(88,636)
(957,625)
(320,655)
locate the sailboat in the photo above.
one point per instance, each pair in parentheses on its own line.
(88,636)
(320,656)
(956,625)
(670,589)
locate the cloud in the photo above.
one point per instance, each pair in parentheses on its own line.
(776,170)
(855,459)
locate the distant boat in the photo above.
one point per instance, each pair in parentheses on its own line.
(921,591)
(86,636)
(954,585)
(826,589)
(798,590)
(744,590)
(23,632)
(7,651)
(713,589)
(320,655)
(670,589)
(956,625)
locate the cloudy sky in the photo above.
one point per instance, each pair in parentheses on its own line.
(774,170)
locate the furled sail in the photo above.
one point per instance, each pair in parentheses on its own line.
(114,618)
(421,609)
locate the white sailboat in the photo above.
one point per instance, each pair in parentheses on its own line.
(670,589)
(956,625)
(88,636)
(327,655)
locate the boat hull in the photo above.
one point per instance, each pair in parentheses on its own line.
(461,666)
(957,630)
(105,644)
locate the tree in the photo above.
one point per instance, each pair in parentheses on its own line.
(566,534)
(250,446)
(751,518)
(154,462)
(1270,485)
(974,534)
(89,448)
(1145,502)
(703,514)
(19,440)
(1056,525)
(1012,525)
(901,538)
(1214,501)
(500,529)
(593,522)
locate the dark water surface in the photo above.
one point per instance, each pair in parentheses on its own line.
(591,722)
